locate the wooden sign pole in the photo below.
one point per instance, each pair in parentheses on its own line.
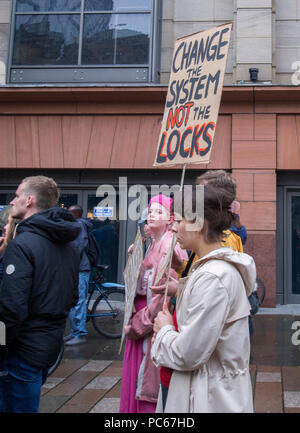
(169,266)
(174,239)
(182,176)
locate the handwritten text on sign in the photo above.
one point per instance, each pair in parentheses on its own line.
(131,274)
(193,99)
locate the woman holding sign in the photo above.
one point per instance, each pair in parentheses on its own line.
(209,349)
(140,379)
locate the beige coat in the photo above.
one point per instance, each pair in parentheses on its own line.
(210,353)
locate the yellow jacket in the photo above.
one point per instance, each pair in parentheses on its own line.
(233,241)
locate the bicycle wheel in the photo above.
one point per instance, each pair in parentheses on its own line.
(261,290)
(108,313)
(58,360)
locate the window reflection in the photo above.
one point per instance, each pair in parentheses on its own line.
(114,32)
(48,5)
(67,200)
(116,39)
(46,40)
(116,5)
(107,235)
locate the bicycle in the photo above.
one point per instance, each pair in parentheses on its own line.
(107,310)
(261,290)
(58,360)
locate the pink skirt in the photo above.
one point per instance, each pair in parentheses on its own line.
(133,356)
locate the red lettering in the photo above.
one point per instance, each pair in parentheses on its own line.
(171,118)
(181,114)
(210,125)
(188,105)
(177,112)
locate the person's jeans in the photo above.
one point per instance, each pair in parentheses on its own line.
(77,314)
(20,385)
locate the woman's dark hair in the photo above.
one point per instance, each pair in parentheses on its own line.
(219,179)
(217,214)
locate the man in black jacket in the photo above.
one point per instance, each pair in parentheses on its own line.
(39,287)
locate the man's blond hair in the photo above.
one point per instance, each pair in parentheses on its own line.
(44,189)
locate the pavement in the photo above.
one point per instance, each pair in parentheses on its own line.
(89,377)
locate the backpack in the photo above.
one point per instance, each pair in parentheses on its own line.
(92,250)
(254,303)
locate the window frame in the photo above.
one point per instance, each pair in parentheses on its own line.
(289,296)
(87,74)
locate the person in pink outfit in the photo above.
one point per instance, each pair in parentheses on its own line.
(140,379)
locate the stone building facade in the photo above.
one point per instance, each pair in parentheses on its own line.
(88,133)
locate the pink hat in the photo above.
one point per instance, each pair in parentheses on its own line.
(163,200)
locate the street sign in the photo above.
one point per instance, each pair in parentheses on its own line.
(103,212)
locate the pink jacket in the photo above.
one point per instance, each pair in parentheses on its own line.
(141,323)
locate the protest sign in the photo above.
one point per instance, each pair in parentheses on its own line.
(131,274)
(193,98)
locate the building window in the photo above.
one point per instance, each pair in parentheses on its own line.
(83,41)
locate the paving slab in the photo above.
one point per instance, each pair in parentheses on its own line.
(112,371)
(51,403)
(268,397)
(107,405)
(102,382)
(115,391)
(292,410)
(69,366)
(291,378)
(292,399)
(95,366)
(268,369)
(268,377)
(51,383)
(74,383)
(83,401)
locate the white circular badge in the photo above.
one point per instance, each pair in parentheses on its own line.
(10,269)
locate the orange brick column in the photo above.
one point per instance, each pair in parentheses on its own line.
(253,167)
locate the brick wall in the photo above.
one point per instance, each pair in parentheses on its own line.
(253,166)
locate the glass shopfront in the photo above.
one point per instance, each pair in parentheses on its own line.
(292,247)
(295,243)
(110,234)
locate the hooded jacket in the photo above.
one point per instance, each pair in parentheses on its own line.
(81,243)
(40,285)
(210,352)
(141,323)
(241,232)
